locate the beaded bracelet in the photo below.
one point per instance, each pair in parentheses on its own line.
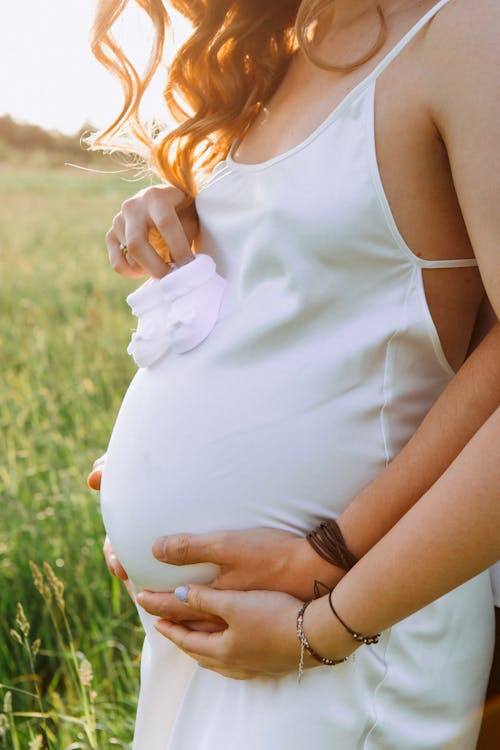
(368,640)
(306,646)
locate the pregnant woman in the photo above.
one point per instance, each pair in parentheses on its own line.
(351,200)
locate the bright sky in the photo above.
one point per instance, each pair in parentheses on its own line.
(48,74)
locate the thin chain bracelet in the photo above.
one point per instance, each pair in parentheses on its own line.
(368,640)
(306,646)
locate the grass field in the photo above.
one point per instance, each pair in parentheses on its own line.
(68,659)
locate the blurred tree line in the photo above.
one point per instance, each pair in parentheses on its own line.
(21,141)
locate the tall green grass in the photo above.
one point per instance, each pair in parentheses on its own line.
(68,658)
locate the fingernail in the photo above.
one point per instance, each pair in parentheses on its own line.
(159,547)
(139,598)
(93,479)
(182,593)
(114,567)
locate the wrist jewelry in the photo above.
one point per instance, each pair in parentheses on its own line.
(368,640)
(328,542)
(306,646)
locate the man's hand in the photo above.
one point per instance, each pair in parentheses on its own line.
(257,559)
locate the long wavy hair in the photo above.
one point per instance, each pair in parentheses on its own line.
(218,81)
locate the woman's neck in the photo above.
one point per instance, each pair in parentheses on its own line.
(353,22)
(348,12)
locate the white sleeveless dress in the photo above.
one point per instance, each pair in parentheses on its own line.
(322,364)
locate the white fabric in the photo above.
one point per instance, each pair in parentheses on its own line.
(322,363)
(177,311)
(495,583)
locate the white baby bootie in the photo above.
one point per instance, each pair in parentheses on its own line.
(176,312)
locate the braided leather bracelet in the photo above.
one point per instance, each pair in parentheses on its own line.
(328,542)
(306,646)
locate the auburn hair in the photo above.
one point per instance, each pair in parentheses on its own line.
(218,81)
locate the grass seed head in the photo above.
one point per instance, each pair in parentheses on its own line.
(4,726)
(47,593)
(37,577)
(7,702)
(86,674)
(15,636)
(56,585)
(22,621)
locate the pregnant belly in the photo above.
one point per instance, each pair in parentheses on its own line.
(229,455)
(137,509)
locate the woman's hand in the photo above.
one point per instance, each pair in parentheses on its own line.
(115,567)
(113,564)
(257,559)
(259,634)
(155,230)
(95,476)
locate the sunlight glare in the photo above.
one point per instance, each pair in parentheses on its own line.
(48,74)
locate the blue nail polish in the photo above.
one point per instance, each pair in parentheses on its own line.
(182,593)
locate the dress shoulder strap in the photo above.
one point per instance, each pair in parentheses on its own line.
(407,38)
(423,263)
(458,263)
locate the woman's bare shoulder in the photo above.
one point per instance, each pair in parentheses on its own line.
(465,34)
(461,59)
(461,64)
